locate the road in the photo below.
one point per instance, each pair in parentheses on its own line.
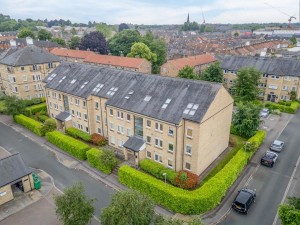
(36,156)
(271,183)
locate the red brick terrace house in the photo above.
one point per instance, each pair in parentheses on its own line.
(198,62)
(118,62)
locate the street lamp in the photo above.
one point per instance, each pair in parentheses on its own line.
(245,150)
(165,175)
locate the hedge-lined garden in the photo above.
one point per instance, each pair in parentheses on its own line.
(95,160)
(32,110)
(30,124)
(76,148)
(201,200)
(76,133)
(290,107)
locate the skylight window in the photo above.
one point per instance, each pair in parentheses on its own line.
(191,109)
(98,87)
(129,94)
(165,105)
(112,91)
(52,76)
(62,79)
(147,98)
(82,86)
(73,81)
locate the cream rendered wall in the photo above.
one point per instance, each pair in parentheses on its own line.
(8,196)
(168,69)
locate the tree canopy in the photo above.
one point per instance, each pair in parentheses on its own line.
(289,213)
(44,35)
(26,32)
(95,41)
(141,50)
(213,73)
(190,26)
(59,41)
(293,40)
(188,73)
(104,29)
(246,85)
(123,26)
(73,206)
(14,106)
(74,42)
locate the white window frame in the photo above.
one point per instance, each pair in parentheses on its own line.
(159,157)
(158,143)
(171,167)
(112,140)
(111,126)
(147,155)
(147,139)
(158,126)
(147,124)
(188,146)
(186,132)
(128,132)
(186,167)
(171,151)
(120,129)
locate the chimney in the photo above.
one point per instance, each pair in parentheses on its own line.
(29,41)
(13,43)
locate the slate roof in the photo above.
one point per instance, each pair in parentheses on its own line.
(134,144)
(12,168)
(181,92)
(28,55)
(273,66)
(62,116)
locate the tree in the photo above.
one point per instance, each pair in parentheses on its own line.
(121,43)
(74,207)
(246,85)
(289,213)
(213,73)
(293,40)
(73,31)
(188,26)
(95,41)
(188,73)
(246,120)
(74,42)
(108,159)
(14,106)
(141,50)
(26,32)
(123,26)
(59,41)
(44,35)
(49,125)
(128,207)
(104,29)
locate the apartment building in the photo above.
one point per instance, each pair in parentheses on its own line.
(180,123)
(23,69)
(118,62)
(199,62)
(280,76)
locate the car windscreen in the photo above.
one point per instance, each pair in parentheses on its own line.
(269,155)
(239,204)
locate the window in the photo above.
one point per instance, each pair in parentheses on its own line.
(147,98)
(265,75)
(22,68)
(120,143)
(148,155)
(274,87)
(78,114)
(54,95)
(96,105)
(34,67)
(275,77)
(188,149)
(120,115)
(83,103)
(128,117)
(138,127)
(80,126)
(26,88)
(295,78)
(148,123)
(72,112)
(61,108)
(148,140)
(128,132)
(157,158)
(86,129)
(171,131)
(189,133)
(77,101)
(71,100)
(294,88)
(171,147)
(74,124)
(111,126)
(287,78)
(50,103)
(170,163)
(112,140)
(59,96)
(85,116)
(225,80)
(99,130)
(98,118)
(187,166)
(120,129)
(24,78)
(16,89)
(158,127)
(50,65)
(48,93)
(111,112)
(158,143)
(284,88)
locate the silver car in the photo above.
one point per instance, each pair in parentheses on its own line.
(277,146)
(264,113)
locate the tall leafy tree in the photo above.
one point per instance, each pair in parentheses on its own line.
(246,85)
(14,106)
(142,51)
(293,40)
(74,42)
(59,41)
(95,41)
(26,32)
(44,35)
(289,213)
(104,29)
(123,26)
(121,43)
(128,207)
(73,206)
(188,73)
(246,120)
(213,73)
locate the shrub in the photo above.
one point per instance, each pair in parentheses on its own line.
(102,160)
(35,108)
(2,106)
(233,130)
(282,102)
(97,139)
(42,118)
(182,201)
(35,126)
(186,180)
(76,148)
(76,133)
(49,125)
(157,170)
(292,109)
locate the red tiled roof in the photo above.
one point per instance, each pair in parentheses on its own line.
(115,60)
(192,61)
(79,54)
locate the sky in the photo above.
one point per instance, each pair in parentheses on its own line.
(154,11)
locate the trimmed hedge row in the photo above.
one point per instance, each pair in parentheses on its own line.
(288,109)
(35,108)
(43,118)
(93,157)
(76,148)
(76,133)
(198,201)
(31,124)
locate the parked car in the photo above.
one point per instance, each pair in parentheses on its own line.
(269,158)
(264,113)
(244,200)
(277,146)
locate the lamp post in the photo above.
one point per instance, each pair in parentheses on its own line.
(165,175)
(245,150)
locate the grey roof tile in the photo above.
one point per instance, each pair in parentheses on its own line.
(134,143)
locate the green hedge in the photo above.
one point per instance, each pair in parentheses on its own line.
(43,118)
(31,124)
(35,108)
(198,201)
(288,109)
(93,157)
(76,148)
(76,133)
(157,170)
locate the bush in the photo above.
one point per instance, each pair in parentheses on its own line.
(35,126)
(42,118)
(157,170)
(285,103)
(49,125)
(34,109)
(201,200)
(95,159)
(292,109)
(233,130)
(76,148)
(97,139)
(186,180)
(2,106)
(76,133)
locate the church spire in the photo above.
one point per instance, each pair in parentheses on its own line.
(188,18)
